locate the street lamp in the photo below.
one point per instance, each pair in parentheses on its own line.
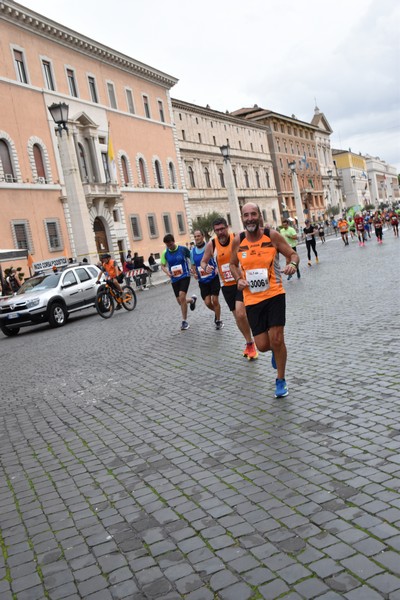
(297,196)
(82,238)
(234,209)
(59,113)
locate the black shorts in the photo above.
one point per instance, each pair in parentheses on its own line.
(266,314)
(182,285)
(211,288)
(232,295)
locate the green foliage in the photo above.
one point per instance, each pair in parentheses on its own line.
(369,206)
(204,223)
(333,210)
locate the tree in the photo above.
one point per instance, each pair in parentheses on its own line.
(205,223)
(369,206)
(333,210)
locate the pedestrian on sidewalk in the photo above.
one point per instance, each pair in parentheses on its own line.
(255,267)
(175,263)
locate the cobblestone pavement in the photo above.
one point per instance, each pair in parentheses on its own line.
(142,462)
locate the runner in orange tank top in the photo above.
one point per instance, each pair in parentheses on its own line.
(220,248)
(255,267)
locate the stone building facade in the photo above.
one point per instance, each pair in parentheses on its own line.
(60,195)
(200,134)
(292,141)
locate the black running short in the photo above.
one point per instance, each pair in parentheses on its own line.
(266,314)
(232,295)
(211,288)
(182,285)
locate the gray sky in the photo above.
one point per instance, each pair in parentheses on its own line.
(283,55)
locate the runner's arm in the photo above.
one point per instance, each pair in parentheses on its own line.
(234,265)
(208,253)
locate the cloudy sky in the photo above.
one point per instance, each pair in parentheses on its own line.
(283,55)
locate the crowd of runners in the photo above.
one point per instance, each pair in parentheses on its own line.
(245,268)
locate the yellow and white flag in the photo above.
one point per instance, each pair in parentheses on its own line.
(111,159)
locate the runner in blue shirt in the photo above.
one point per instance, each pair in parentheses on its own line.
(208,282)
(174,263)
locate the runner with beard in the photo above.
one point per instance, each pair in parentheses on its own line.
(255,267)
(220,248)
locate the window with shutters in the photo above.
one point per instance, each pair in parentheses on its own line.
(20,66)
(129,101)
(48,75)
(146,106)
(111,94)
(73,90)
(53,235)
(181,222)
(167,223)
(21,235)
(161,111)
(39,164)
(93,89)
(152,224)
(125,173)
(136,229)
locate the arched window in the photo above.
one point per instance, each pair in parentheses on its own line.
(246,179)
(172,177)
(267,178)
(207,176)
(157,168)
(142,170)
(39,164)
(258,179)
(125,174)
(82,162)
(221,178)
(6,163)
(234,177)
(191,177)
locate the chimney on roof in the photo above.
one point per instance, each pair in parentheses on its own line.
(207,106)
(255,106)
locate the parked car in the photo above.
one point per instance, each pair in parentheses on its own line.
(50,297)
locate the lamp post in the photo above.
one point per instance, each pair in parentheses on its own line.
(234,209)
(82,238)
(297,197)
(331,188)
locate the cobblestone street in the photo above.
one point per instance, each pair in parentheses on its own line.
(142,462)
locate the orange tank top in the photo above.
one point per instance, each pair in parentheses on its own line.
(112,269)
(260,266)
(222,255)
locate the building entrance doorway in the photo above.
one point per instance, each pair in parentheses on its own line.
(100,236)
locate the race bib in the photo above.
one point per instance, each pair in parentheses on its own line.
(226,273)
(309,237)
(257,280)
(177,270)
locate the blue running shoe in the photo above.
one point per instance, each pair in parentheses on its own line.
(273,361)
(281,389)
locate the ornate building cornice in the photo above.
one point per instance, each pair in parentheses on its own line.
(33,22)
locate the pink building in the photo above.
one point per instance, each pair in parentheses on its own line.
(73,194)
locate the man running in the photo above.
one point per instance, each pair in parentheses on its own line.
(344,230)
(174,263)
(352,228)
(290,235)
(378,226)
(257,251)
(220,247)
(309,232)
(208,282)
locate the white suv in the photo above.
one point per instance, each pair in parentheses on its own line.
(50,297)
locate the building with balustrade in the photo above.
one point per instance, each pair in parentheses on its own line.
(112,180)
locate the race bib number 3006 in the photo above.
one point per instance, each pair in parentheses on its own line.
(257,280)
